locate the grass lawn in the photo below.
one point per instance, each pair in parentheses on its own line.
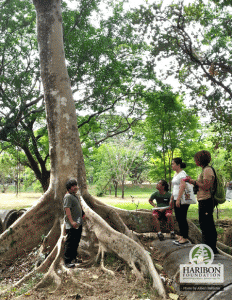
(23,200)
(136,197)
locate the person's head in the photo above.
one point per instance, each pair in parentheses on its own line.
(177,163)
(71,185)
(162,185)
(202,158)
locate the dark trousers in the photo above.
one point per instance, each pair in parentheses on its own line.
(207,225)
(181,218)
(71,244)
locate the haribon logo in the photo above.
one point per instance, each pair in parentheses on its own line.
(200,270)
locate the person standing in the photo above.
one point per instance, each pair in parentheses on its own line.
(180,209)
(205,184)
(73,223)
(162,197)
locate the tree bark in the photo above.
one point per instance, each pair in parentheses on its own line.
(123,185)
(115,183)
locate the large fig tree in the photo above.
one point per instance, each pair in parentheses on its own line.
(45,218)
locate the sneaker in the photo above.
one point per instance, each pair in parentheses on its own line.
(172,235)
(77,261)
(176,242)
(69,265)
(180,244)
(160,236)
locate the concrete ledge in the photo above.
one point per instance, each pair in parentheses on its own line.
(174,255)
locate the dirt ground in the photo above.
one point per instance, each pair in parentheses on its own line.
(92,283)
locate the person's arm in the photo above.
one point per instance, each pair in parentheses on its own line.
(83,215)
(151,202)
(205,185)
(171,203)
(69,216)
(181,192)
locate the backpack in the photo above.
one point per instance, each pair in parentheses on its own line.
(218,192)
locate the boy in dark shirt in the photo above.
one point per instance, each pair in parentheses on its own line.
(163,209)
(73,223)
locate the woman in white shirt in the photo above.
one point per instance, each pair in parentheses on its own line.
(178,187)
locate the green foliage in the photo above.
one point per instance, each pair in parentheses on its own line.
(29,285)
(12,243)
(37,188)
(115,161)
(10,231)
(105,61)
(171,131)
(7,170)
(21,106)
(110,259)
(194,40)
(17,47)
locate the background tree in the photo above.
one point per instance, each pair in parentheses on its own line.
(194,41)
(21,99)
(115,161)
(7,171)
(170,130)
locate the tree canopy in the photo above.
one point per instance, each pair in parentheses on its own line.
(113,64)
(195,40)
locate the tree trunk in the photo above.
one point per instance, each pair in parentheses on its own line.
(64,144)
(123,185)
(115,183)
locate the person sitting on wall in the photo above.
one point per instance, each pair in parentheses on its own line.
(163,209)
